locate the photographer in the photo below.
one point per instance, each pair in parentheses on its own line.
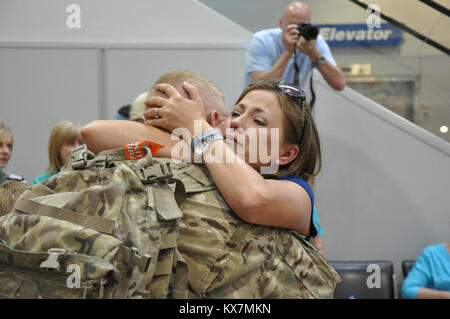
(291,51)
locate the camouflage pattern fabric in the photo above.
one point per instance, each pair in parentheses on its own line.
(229,258)
(114,220)
(209,253)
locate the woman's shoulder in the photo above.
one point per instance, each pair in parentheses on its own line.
(295,179)
(300,181)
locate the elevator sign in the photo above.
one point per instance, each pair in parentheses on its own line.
(360,35)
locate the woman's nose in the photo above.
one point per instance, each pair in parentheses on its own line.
(237,123)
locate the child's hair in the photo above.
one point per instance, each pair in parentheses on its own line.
(299,129)
(10,191)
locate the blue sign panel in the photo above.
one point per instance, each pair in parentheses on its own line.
(360,35)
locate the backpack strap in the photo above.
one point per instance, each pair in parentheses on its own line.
(180,283)
(101,224)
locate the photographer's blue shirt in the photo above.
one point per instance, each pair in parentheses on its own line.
(267,46)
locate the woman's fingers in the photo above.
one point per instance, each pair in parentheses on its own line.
(192,91)
(168,89)
(152,113)
(155,101)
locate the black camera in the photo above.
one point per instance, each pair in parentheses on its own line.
(308,31)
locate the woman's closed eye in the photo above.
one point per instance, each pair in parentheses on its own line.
(259,122)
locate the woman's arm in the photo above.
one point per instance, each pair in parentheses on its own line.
(105,135)
(256,200)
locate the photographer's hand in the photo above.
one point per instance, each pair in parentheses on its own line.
(308,48)
(290,37)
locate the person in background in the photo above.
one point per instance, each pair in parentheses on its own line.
(123,113)
(138,108)
(430,276)
(274,53)
(64,137)
(6,147)
(10,191)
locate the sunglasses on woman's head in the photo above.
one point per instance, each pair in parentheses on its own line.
(292,91)
(289,89)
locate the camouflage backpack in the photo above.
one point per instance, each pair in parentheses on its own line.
(229,258)
(106,227)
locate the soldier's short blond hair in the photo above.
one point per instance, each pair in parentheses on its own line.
(213,98)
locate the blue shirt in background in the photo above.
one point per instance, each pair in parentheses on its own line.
(43,177)
(431,270)
(267,46)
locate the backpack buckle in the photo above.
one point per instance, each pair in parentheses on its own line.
(52,264)
(155,172)
(142,261)
(80,157)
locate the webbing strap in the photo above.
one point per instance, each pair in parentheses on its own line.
(41,190)
(164,264)
(179,290)
(100,224)
(169,240)
(165,204)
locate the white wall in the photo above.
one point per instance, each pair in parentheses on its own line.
(50,73)
(383,189)
(116,21)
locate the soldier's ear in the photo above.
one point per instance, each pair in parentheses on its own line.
(212,117)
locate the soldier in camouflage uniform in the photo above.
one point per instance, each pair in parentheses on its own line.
(229,258)
(215,242)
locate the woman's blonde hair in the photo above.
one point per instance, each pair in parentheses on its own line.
(5,130)
(298,129)
(62,133)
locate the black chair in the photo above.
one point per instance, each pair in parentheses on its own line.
(365,280)
(407,266)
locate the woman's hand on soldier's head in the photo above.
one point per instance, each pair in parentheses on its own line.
(174,111)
